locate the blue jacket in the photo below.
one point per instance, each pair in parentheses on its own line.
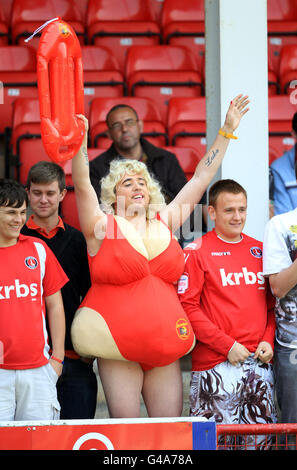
(285,185)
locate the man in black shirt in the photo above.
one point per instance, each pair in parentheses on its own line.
(77,386)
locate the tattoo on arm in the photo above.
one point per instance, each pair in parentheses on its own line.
(211,157)
(85,154)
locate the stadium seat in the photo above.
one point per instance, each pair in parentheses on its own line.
(187,123)
(162,72)
(102,75)
(26,144)
(282,28)
(4,27)
(157,6)
(68,208)
(281,17)
(183,25)
(288,68)
(19,79)
(6,7)
(280,114)
(273,84)
(27,16)
(154,128)
(188,158)
(118,25)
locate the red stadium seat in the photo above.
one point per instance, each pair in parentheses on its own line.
(183,25)
(278,145)
(154,128)
(6,7)
(188,158)
(4,27)
(281,17)
(187,123)
(26,144)
(102,75)
(157,6)
(162,72)
(282,28)
(273,84)
(288,67)
(280,114)
(27,16)
(118,25)
(19,79)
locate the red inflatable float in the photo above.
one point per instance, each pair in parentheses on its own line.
(61,90)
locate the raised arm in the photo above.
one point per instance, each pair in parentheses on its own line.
(206,169)
(89,212)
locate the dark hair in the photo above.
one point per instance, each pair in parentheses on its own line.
(294,122)
(119,106)
(224,186)
(12,193)
(46,172)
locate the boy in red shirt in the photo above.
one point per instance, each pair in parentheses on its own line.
(31,279)
(225,296)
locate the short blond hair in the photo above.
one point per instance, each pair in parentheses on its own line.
(117,170)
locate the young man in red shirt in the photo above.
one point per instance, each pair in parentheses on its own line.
(31,279)
(46,188)
(229,305)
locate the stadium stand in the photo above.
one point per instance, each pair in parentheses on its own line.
(119,25)
(102,74)
(183,25)
(162,72)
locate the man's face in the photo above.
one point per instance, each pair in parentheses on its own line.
(45,199)
(229,215)
(12,220)
(124,129)
(290,309)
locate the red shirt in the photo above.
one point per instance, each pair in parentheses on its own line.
(29,272)
(225,296)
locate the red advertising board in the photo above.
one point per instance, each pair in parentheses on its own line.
(117,434)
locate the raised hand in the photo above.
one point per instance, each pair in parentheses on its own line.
(237,109)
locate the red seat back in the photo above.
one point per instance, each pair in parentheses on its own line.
(280,113)
(183,25)
(162,72)
(27,16)
(18,75)
(288,67)
(188,159)
(119,25)
(102,75)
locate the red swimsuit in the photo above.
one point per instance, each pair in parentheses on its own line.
(138,301)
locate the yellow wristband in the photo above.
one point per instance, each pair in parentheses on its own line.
(228,136)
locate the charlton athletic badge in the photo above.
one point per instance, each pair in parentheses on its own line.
(256,252)
(31,262)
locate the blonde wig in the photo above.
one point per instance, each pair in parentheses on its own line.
(131,167)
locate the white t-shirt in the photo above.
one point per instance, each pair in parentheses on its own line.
(279,252)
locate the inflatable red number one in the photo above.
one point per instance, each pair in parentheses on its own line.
(61,90)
